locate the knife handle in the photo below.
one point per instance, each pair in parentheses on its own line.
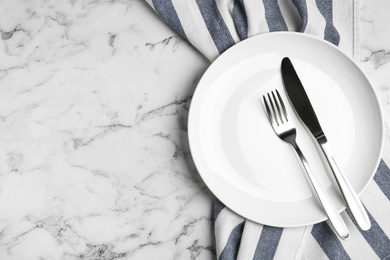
(334,217)
(353,202)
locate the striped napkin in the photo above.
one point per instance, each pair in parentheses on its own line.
(213,26)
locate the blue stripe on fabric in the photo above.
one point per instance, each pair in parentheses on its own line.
(230,251)
(167,11)
(302,10)
(215,25)
(218,207)
(240,19)
(382,178)
(268,243)
(326,9)
(274,16)
(328,241)
(375,237)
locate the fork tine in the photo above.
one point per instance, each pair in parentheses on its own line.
(273,109)
(277,107)
(284,111)
(267,109)
(269,113)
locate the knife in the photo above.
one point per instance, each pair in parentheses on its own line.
(304,110)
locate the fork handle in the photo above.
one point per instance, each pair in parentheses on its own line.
(351,198)
(334,217)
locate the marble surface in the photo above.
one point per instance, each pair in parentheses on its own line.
(94,157)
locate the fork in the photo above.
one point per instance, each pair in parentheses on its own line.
(285,130)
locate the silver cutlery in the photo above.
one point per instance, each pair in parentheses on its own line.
(285,130)
(304,110)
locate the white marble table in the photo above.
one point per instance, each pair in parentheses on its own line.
(94,158)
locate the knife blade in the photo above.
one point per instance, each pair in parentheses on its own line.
(304,110)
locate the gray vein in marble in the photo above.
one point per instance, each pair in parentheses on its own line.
(111,40)
(175,39)
(8,35)
(81,142)
(18,67)
(378,58)
(102,252)
(14,160)
(191,224)
(144,193)
(169,139)
(28,108)
(196,249)
(37,85)
(156,111)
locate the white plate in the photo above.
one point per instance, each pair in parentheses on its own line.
(238,155)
